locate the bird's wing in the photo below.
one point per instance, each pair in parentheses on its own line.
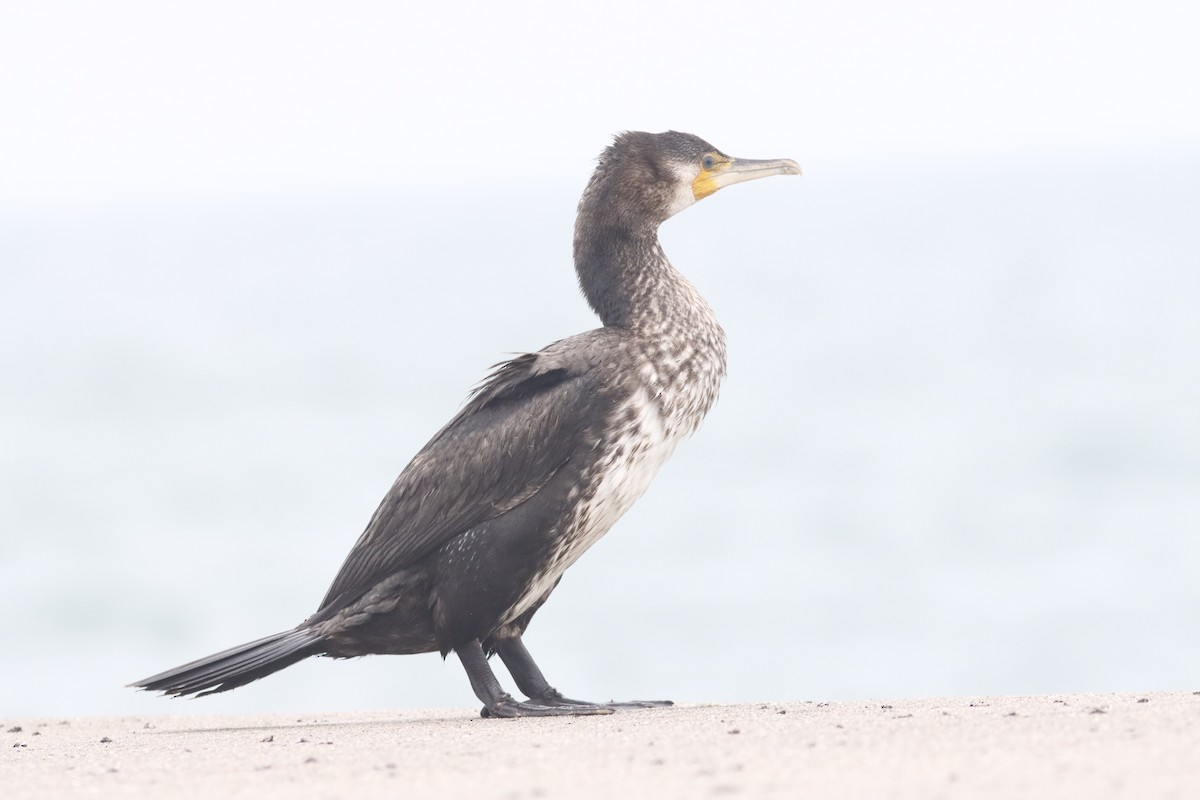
(519,427)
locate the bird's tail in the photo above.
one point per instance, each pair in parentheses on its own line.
(236,666)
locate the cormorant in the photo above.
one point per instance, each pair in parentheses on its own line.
(547,453)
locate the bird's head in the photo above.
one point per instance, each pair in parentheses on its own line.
(657,175)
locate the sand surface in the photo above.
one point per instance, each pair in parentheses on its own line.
(1061,746)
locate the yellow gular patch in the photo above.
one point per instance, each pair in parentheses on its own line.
(705,183)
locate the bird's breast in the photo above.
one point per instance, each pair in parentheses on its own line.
(673,382)
(637,444)
(628,454)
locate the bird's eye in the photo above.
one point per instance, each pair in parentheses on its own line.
(708,162)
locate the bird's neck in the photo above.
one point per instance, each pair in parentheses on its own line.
(628,281)
(680,345)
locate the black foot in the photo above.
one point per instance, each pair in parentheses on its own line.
(544,700)
(509,707)
(554,698)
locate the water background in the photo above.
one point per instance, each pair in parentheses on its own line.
(958,451)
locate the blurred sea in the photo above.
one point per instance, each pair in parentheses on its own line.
(958,450)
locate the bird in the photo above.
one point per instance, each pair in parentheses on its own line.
(542,459)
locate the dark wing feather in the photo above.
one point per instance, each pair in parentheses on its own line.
(519,427)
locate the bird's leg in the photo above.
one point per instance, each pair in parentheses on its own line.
(534,685)
(499,703)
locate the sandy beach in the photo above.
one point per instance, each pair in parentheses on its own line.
(1091,745)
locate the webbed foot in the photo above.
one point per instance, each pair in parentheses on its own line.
(508,707)
(553,698)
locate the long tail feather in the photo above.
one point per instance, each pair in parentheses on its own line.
(234,667)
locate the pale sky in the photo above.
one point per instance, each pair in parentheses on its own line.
(110,103)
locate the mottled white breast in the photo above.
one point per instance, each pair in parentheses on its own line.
(624,473)
(641,444)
